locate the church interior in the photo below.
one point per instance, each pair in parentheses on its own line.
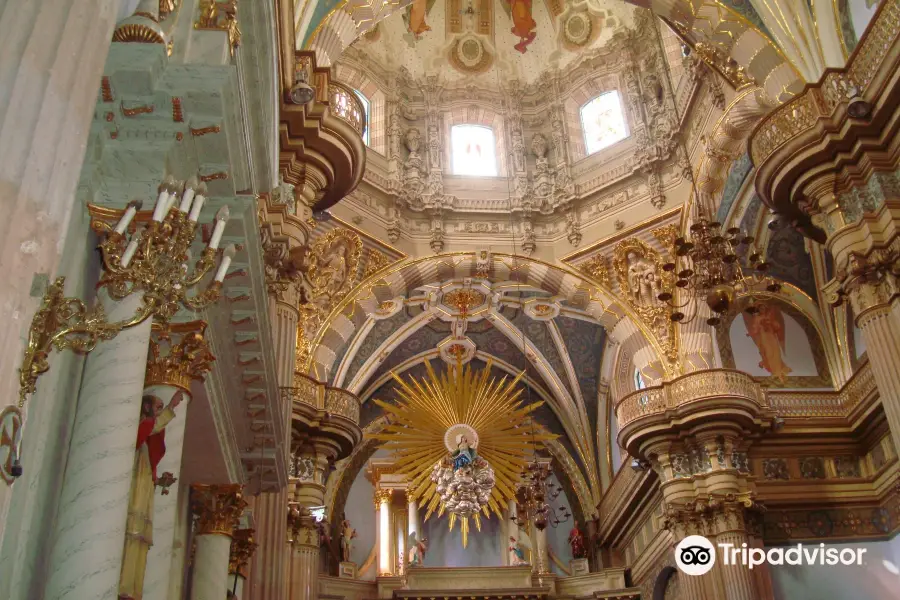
(450,299)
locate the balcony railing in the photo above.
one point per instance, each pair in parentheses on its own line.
(704,385)
(346,105)
(334,401)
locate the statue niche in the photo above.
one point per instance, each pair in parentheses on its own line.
(641,279)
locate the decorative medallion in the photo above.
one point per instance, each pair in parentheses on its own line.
(457,350)
(577,28)
(541,310)
(463,300)
(388,308)
(468,55)
(10,441)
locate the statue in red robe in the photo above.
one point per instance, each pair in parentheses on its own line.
(149,451)
(523,23)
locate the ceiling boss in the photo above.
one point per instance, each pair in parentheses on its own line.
(462,441)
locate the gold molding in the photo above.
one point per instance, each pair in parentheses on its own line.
(217,507)
(187,359)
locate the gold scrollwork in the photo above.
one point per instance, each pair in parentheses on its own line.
(220,16)
(641,278)
(187,359)
(218,507)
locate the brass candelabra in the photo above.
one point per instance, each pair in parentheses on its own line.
(153,261)
(535,497)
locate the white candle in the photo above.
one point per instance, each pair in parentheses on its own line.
(189,192)
(129,253)
(198,202)
(162,203)
(221,219)
(133,207)
(229,253)
(166,188)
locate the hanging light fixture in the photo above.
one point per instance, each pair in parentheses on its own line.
(536,494)
(707,266)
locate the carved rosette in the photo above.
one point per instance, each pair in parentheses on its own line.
(641,278)
(178,354)
(217,508)
(242,548)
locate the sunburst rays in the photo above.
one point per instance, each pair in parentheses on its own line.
(426,408)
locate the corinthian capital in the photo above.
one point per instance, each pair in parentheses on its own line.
(217,507)
(178,354)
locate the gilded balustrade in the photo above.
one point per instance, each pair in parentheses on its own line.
(687,389)
(334,401)
(346,105)
(835,88)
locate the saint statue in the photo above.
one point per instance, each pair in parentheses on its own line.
(417,549)
(766,328)
(464,455)
(347,535)
(642,280)
(150,449)
(576,541)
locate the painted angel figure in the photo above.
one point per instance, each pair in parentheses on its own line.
(464,455)
(523,23)
(417,549)
(766,329)
(517,552)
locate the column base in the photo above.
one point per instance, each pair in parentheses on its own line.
(579,566)
(348,570)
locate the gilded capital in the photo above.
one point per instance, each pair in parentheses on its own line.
(869,281)
(242,548)
(301,523)
(178,353)
(217,507)
(382,496)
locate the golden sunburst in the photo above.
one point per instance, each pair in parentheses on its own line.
(428,408)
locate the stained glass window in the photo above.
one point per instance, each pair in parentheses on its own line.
(603,122)
(365,103)
(473,150)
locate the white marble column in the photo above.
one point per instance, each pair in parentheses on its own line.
(383,501)
(166,507)
(541,550)
(209,579)
(412,518)
(178,559)
(236,585)
(89,535)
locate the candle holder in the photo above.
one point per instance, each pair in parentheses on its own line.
(165,481)
(153,260)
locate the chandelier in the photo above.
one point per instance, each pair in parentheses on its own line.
(535,496)
(707,266)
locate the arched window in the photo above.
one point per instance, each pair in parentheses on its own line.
(365,103)
(473,150)
(603,122)
(639,382)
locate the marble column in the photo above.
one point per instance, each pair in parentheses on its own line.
(383,504)
(218,508)
(178,560)
(412,518)
(52,54)
(89,535)
(541,550)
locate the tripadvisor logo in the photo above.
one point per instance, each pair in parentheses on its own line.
(696,555)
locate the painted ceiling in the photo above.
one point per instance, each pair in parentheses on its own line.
(491,39)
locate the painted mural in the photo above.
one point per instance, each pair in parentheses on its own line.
(766,329)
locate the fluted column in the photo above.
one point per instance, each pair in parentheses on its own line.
(541,550)
(880,327)
(736,579)
(178,354)
(267,578)
(90,530)
(52,54)
(305,555)
(218,508)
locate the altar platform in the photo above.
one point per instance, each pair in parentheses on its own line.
(481,583)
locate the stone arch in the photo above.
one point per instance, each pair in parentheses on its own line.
(575,288)
(663,580)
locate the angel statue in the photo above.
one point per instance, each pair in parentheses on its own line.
(517,552)
(464,455)
(347,535)
(417,549)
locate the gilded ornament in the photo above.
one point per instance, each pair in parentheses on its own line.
(243,546)
(217,507)
(597,268)
(205,130)
(464,299)
(458,439)
(185,360)
(220,16)
(375,262)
